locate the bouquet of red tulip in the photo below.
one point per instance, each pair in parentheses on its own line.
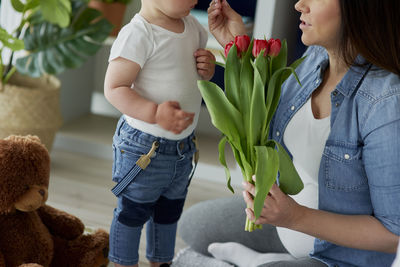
(254,73)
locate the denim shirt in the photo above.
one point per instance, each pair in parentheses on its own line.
(359,171)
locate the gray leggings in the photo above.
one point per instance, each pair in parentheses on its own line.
(223,220)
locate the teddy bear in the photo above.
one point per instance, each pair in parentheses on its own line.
(31,232)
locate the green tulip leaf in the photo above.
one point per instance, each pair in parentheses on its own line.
(232,77)
(261,64)
(280,61)
(266,172)
(246,85)
(222,160)
(236,154)
(274,92)
(248,169)
(293,67)
(224,116)
(289,180)
(258,110)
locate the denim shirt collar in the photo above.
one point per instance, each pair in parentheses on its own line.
(354,76)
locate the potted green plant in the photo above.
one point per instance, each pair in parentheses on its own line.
(113,11)
(53,36)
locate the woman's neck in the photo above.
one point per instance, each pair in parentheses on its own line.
(337,67)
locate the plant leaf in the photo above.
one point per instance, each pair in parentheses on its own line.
(280,61)
(224,116)
(232,77)
(293,66)
(247,169)
(236,154)
(274,92)
(31,5)
(222,160)
(17,5)
(56,11)
(258,110)
(261,64)
(246,90)
(266,172)
(10,41)
(289,180)
(52,49)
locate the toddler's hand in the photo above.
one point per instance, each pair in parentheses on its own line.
(171,117)
(205,63)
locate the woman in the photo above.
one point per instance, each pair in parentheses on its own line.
(347,112)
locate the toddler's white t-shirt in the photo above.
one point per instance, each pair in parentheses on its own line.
(168,67)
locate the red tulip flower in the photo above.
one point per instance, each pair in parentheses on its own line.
(274,47)
(228,47)
(260,45)
(242,43)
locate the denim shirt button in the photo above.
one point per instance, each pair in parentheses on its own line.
(337,104)
(278,133)
(292,108)
(346,156)
(317,81)
(334,93)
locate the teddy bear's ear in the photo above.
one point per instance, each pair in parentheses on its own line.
(24,161)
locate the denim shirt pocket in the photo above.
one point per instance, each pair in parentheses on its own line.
(343,168)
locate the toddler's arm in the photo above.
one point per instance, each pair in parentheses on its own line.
(205,63)
(120,75)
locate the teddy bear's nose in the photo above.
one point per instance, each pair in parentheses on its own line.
(41,191)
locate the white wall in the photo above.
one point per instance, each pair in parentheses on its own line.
(277,19)
(9,20)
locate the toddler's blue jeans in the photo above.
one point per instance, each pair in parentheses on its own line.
(156,195)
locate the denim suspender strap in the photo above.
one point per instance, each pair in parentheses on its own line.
(141,164)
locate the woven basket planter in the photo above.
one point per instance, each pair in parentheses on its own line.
(30,106)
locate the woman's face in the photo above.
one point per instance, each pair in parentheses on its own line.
(320,22)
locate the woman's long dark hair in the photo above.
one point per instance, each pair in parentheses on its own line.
(372,29)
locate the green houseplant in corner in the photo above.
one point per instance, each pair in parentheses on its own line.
(113,11)
(52,37)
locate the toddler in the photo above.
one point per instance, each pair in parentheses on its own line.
(152,75)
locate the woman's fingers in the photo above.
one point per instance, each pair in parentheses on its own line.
(248,198)
(249,187)
(250,214)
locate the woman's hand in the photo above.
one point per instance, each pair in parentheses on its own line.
(224,23)
(205,63)
(355,231)
(279,209)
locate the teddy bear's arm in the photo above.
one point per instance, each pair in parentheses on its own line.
(60,223)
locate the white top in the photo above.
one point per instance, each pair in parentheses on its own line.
(168,67)
(305,138)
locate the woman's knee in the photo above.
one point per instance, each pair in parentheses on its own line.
(210,221)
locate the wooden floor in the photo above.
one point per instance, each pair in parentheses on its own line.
(81,186)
